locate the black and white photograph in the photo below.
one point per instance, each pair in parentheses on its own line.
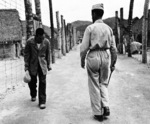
(74,61)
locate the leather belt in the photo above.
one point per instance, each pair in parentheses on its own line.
(100,49)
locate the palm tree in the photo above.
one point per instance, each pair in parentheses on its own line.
(144,32)
(130,26)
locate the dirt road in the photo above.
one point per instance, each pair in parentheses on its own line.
(68,99)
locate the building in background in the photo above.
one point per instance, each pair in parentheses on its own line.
(10,33)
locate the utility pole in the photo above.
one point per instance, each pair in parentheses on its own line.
(29,18)
(38,11)
(130,27)
(121,30)
(144,32)
(52,31)
(59,34)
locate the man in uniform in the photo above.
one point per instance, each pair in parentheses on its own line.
(37,61)
(99,46)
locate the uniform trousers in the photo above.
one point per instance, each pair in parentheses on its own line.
(98,70)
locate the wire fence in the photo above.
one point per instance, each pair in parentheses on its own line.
(11,65)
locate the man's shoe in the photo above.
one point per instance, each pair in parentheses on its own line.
(98,117)
(33,99)
(106,111)
(42,106)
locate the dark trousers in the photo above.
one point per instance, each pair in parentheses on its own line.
(41,88)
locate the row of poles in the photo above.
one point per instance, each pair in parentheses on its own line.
(66,34)
(144,30)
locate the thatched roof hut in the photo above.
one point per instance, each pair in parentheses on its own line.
(10,24)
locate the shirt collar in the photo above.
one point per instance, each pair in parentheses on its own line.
(99,21)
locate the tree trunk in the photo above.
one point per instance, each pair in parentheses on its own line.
(144,32)
(130,27)
(29,18)
(38,11)
(52,31)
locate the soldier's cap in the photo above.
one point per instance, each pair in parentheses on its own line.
(98,6)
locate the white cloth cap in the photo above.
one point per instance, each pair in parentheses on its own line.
(98,6)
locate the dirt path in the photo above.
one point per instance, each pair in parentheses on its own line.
(68,97)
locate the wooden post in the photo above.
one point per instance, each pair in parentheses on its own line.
(69,36)
(74,37)
(63,37)
(144,32)
(130,27)
(65,28)
(148,30)
(38,11)
(117,33)
(29,18)
(121,30)
(52,31)
(58,34)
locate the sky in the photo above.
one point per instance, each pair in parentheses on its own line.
(73,10)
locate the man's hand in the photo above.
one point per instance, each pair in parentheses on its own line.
(27,72)
(112,68)
(49,68)
(83,65)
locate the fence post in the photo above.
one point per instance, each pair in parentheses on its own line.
(117,28)
(58,34)
(69,35)
(29,18)
(52,31)
(74,37)
(63,37)
(130,27)
(121,30)
(66,43)
(144,32)
(38,11)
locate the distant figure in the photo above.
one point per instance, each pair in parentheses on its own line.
(99,46)
(37,61)
(136,47)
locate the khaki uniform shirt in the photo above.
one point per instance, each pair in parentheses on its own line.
(97,36)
